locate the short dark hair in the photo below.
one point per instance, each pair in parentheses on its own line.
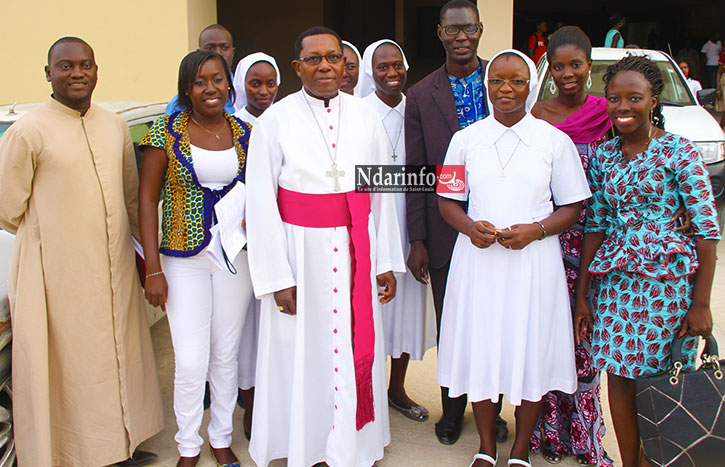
(214,26)
(569,35)
(457,4)
(314,31)
(188,69)
(67,39)
(615,18)
(650,71)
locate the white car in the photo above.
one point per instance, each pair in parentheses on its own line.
(683,115)
(139,116)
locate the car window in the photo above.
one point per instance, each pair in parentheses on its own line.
(675,90)
(138,131)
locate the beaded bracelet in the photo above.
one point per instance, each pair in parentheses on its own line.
(543,230)
(154,274)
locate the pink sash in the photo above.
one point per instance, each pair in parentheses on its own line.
(349,210)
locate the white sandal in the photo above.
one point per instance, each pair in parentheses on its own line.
(484,457)
(523,463)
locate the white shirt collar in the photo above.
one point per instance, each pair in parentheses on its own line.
(522,129)
(319,103)
(384,109)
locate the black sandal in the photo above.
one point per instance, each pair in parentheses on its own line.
(550,456)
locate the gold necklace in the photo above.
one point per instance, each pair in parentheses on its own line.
(210,132)
(650,134)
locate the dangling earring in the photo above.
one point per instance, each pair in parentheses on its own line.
(552,87)
(589,80)
(652,115)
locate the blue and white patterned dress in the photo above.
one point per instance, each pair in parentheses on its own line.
(646,267)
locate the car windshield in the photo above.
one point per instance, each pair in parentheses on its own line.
(674,93)
(3,126)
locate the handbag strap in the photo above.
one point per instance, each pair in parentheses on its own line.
(709,350)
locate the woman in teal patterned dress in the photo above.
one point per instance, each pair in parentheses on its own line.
(655,283)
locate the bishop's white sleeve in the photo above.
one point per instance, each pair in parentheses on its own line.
(389,244)
(266,238)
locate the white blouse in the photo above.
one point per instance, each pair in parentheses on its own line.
(214,169)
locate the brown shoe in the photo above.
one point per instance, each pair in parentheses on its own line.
(188,461)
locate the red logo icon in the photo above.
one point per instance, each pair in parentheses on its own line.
(451,178)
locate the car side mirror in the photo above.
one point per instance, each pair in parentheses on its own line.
(706,96)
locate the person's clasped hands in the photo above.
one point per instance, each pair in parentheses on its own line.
(483,234)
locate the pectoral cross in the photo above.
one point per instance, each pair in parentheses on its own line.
(335,174)
(502,175)
(395,156)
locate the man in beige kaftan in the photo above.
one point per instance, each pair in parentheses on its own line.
(84,378)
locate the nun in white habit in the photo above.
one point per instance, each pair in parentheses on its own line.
(351,75)
(507,326)
(247,357)
(408,324)
(240,81)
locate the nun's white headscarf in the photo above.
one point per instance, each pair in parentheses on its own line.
(240,76)
(356,90)
(533,79)
(367,82)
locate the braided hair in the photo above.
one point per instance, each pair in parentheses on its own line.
(650,71)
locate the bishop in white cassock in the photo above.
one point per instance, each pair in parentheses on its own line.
(305,147)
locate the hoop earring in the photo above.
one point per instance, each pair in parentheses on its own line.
(589,80)
(552,87)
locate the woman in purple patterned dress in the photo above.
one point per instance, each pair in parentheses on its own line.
(573,424)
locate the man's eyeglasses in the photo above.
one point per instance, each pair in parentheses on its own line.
(514,83)
(314,60)
(468,29)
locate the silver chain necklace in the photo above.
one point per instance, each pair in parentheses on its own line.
(333,172)
(397,140)
(502,165)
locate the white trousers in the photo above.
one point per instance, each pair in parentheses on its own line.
(206,309)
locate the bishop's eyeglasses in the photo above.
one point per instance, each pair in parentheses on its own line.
(314,60)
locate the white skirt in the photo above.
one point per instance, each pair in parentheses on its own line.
(409,319)
(506,325)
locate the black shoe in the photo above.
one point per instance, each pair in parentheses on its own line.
(139,458)
(240,399)
(448,431)
(207,396)
(502,431)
